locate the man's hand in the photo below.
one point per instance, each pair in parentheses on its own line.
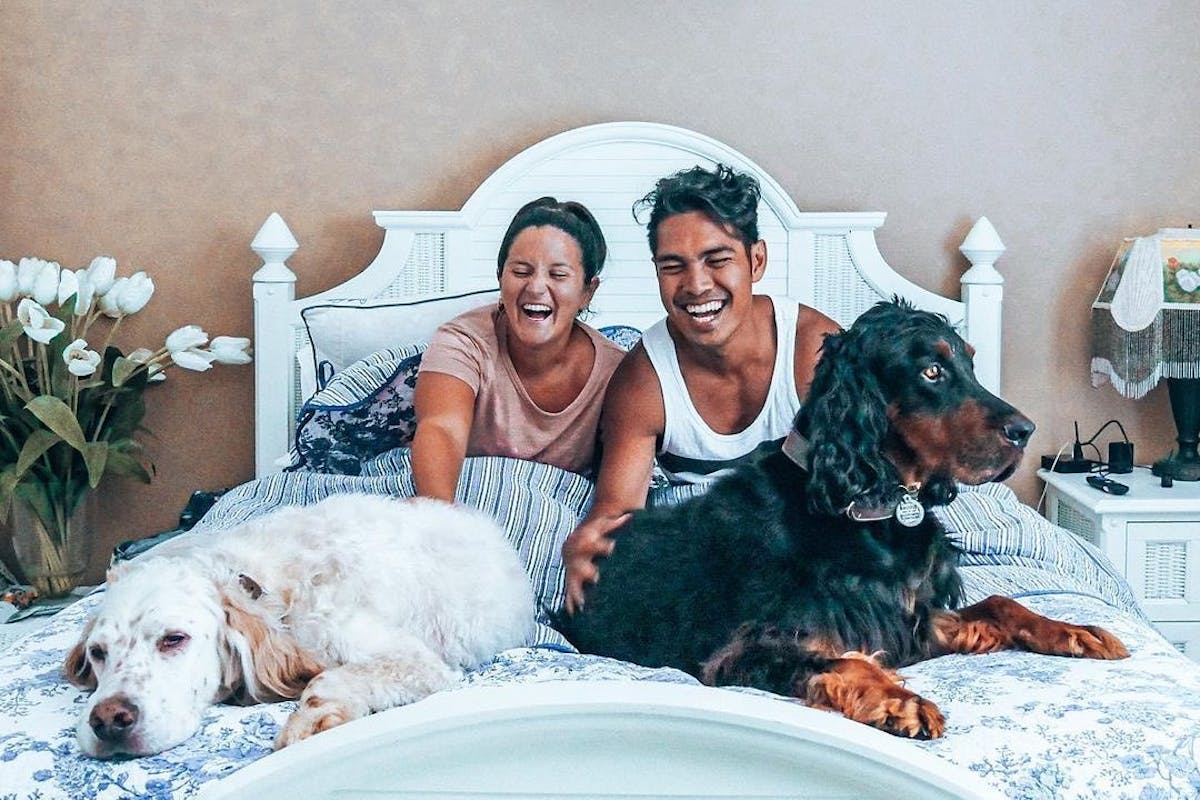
(590,541)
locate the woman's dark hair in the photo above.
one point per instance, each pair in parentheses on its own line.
(724,196)
(569,217)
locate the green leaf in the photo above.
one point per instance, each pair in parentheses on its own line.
(121,463)
(8,482)
(56,415)
(126,414)
(38,442)
(95,456)
(9,335)
(122,369)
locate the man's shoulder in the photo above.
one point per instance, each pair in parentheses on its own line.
(635,372)
(813,325)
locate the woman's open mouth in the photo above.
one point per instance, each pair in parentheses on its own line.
(538,312)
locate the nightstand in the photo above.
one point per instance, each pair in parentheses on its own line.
(1151,534)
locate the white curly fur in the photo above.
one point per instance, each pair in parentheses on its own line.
(366,603)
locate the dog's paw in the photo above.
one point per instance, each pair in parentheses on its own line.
(1092,641)
(861,690)
(912,716)
(310,719)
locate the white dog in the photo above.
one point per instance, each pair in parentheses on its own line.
(355,604)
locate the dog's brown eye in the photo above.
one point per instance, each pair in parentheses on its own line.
(172,641)
(932,373)
(96,652)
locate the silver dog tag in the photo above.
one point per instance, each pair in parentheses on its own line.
(910,512)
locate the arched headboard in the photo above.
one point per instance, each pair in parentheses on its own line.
(825,259)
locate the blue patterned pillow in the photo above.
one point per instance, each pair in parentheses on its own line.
(366,409)
(623,336)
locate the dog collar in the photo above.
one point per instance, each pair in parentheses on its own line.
(908,510)
(796,448)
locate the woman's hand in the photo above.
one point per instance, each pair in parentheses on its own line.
(590,541)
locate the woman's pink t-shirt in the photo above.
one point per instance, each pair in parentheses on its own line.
(473,348)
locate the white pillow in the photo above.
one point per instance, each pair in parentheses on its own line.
(347,331)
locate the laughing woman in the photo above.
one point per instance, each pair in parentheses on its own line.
(525,378)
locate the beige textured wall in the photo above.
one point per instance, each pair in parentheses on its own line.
(164,133)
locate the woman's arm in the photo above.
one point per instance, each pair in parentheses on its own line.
(445,408)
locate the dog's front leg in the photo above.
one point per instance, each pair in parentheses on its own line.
(814,670)
(350,691)
(1001,623)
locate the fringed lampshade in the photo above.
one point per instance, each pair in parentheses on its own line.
(1146,326)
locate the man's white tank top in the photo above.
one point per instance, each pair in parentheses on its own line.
(691,451)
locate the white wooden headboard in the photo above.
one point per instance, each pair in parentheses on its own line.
(826,259)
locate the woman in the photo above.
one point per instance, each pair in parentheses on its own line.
(525,378)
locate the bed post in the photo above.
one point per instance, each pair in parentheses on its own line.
(274,291)
(983,294)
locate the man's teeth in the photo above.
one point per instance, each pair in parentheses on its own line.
(535,308)
(705,308)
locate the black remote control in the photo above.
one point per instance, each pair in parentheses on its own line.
(1106,485)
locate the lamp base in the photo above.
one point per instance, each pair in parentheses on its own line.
(1177,469)
(1184,464)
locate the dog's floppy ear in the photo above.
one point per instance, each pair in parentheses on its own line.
(76,668)
(260,658)
(845,421)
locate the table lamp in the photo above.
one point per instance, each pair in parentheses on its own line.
(1146,326)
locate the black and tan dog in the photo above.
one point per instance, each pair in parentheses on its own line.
(817,571)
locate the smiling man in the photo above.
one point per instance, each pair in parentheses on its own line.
(715,383)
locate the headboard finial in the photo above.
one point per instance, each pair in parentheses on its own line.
(982,247)
(274,244)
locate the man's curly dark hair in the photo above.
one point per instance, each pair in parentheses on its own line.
(727,197)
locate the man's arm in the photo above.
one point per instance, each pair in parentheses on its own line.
(631,424)
(445,408)
(811,329)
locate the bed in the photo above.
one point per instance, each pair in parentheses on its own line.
(334,374)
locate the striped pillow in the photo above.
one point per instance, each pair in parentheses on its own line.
(366,409)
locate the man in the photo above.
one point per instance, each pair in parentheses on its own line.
(716,382)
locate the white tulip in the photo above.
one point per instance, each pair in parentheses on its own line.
(110,301)
(141,356)
(135,293)
(45,288)
(186,338)
(37,322)
(27,273)
(8,281)
(84,294)
(193,359)
(230,350)
(81,362)
(68,286)
(102,271)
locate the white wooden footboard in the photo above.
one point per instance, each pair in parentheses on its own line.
(602,740)
(827,259)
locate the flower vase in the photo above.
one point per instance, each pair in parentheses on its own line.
(52,544)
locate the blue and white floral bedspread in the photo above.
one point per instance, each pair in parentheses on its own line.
(1033,726)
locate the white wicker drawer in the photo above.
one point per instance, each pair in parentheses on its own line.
(1162,564)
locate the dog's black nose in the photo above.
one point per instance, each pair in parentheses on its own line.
(1019,430)
(112,719)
